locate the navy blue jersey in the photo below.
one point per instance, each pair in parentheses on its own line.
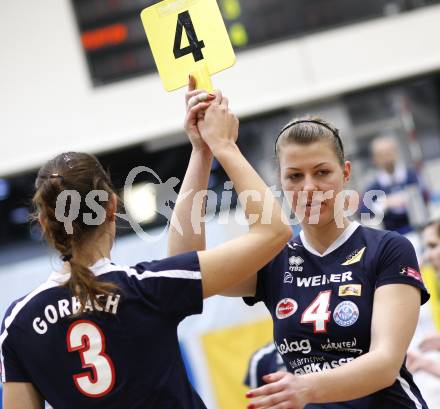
(321,305)
(122,355)
(264,361)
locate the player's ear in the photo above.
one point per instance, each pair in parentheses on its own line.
(347,171)
(112,206)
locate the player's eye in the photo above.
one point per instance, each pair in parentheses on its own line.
(294,176)
(323,172)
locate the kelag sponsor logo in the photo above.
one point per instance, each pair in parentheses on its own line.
(286,346)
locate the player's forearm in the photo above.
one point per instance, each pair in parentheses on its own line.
(258,201)
(363,376)
(195,180)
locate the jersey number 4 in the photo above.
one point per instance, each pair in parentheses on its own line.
(86,338)
(318,313)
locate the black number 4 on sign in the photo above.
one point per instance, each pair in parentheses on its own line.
(195,46)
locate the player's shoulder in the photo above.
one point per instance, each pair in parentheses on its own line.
(379,237)
(9,312)
(25,304)
(385,245)
(382,237)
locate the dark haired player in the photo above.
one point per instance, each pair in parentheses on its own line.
(344,298)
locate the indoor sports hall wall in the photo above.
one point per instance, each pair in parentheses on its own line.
(47,102)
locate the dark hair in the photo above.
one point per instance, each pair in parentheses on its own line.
(307,130)
(82,173)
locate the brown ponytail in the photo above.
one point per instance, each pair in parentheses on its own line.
(81,173)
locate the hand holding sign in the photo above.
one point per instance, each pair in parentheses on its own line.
(197,101)
(187,37)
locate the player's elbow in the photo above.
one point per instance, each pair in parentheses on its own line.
(388,372)
(389,378)
(276,232)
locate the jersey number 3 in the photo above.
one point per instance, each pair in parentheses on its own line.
(88,339)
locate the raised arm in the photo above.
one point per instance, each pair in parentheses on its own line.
(195,180)
(239,259)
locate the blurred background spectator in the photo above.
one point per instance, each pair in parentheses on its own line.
(423,358)
(264,361)
(401,185)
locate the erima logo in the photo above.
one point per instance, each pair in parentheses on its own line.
(295,263)
(295,260)
(354,257)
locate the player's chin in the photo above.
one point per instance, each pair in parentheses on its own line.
(314,214)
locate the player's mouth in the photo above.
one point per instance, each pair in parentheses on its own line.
(313,205)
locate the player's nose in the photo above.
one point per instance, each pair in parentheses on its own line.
(310,184)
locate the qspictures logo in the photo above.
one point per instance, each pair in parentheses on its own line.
(69,203)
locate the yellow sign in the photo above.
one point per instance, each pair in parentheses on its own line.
(187,37)
(432,284)
(228,352)
(350,289)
